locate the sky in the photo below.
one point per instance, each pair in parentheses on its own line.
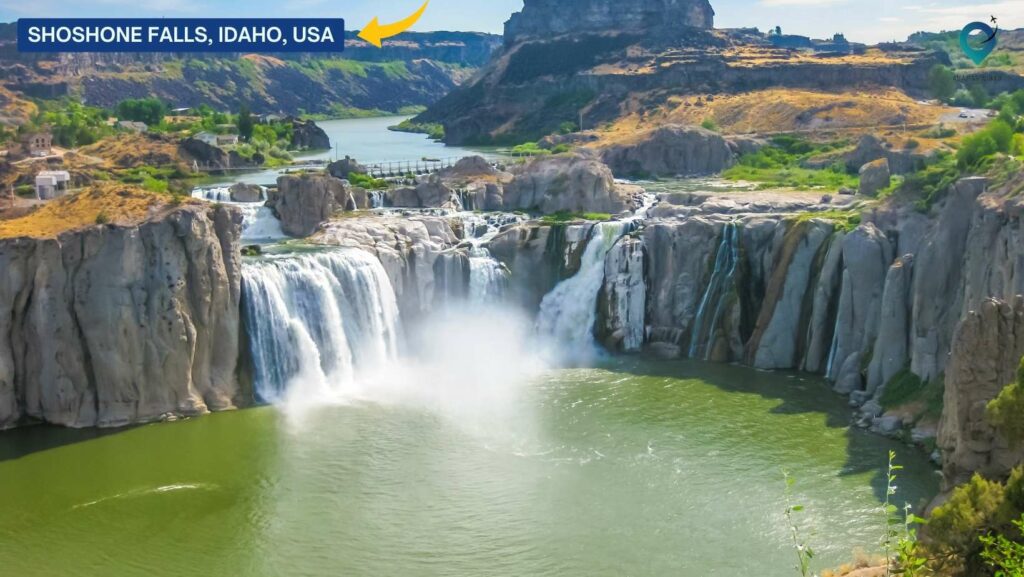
(868,21)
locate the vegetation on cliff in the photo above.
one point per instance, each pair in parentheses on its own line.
(100,204)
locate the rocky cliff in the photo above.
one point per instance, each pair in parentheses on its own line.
(414,70)
(547,18)
(113,325)
(601,62)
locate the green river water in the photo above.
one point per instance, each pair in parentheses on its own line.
(636,468)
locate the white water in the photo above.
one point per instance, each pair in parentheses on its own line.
(259,225)
(315,321)
(567,313)
(716,293)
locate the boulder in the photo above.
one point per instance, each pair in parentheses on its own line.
(304,202)
(573,183)
(306,135)
(874,176)
(342,168)
(670,151)
(242,192)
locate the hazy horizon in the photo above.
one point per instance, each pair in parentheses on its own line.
(868,21)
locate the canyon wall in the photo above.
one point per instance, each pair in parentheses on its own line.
(113,325)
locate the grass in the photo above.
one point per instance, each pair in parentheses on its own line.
(778,166)
(108,203)
(366,181)
(844,220)
(905,388)
(432,130)
(564,216)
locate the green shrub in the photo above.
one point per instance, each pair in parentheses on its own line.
(1006,412)
(102,218)
(25,191)
(709,124)
(366,181)
(561,149)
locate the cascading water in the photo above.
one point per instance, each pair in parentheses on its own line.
(315,320)
(258,221)
(716,293)
(487,277)
(569,311)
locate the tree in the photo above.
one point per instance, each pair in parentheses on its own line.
(148,110)
(245,123)
(942,82)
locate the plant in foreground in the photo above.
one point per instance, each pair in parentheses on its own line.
(804,552)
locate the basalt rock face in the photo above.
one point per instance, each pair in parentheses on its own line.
(539,256)
(303,203)
(987,346)
(573,183)
(114,325)
(306,135)
(546,18)
(783,290)
(670,151)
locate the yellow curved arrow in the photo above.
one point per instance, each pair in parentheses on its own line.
(375,32)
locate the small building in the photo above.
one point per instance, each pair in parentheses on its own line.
(227,139)
(207,137)
(132,126)
(269,118)
(38,144)
(52,184)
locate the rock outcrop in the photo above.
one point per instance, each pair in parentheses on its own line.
(671,150)
(547,18)
(573,183)
(306,135)
(114,325)
(209,157)
(987,348)
(242,192)
(874,176)
(304,202)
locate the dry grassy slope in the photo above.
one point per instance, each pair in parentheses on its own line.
(14,110)
(106,203)
(783,110)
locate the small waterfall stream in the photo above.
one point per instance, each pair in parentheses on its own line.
(259,224)
(314,320)
(568,312)
(716,294)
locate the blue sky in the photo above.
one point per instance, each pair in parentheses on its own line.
(861,20)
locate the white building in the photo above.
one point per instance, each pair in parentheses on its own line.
(52,184)
(227,139)
(207,137)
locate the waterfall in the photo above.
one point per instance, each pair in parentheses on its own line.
(487,278)
(717,293)
(315,320)
(258,222)
(376,198)
(569,311)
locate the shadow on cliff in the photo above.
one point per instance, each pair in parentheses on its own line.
(21,442)
(795,393)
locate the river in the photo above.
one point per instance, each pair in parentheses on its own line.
(634,468)
(367,140)
(453,446)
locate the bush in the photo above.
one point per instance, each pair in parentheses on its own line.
(978,147)
(148,110)
(709,124)
(366,181)
(941,82)
(102,218)
(1005,411)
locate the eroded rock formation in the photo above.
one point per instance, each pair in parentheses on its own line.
(115,325)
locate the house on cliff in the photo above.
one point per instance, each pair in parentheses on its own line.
(52,184)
